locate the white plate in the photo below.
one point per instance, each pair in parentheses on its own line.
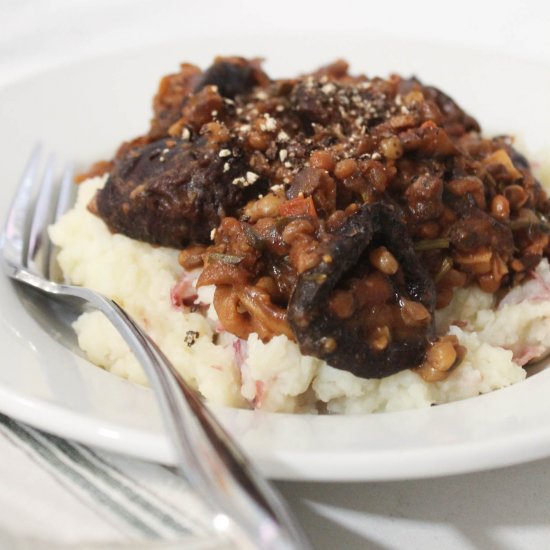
(84,111)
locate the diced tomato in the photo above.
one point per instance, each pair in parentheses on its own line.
(428,124)
(300,206)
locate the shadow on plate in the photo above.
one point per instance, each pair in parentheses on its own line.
(463,511)
(54,316)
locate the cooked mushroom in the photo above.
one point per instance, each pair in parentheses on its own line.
(167,193)
(377,339)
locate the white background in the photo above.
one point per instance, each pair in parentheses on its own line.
(502,510)
(36,34)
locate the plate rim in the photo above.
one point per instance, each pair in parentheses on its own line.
(279,466)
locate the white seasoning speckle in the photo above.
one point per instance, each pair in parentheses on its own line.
(162,153)
(282,136)
(283,154)
(376,156)
(251,177)
(213,234)
(328,88)
(270,123)
(224,153)
(214,113)
(288,164)
(226,167)
(185,134)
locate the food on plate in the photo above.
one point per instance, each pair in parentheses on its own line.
(321,243)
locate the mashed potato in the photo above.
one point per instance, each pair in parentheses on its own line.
(148,282)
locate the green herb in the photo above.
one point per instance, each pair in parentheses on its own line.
(225,258)
(315,277)
(254,240)
(432,244)
(445,268)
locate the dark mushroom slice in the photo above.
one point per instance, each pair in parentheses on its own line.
(359,310)
(233,76)
(172,192)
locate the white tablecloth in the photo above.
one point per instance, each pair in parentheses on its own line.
(42,506)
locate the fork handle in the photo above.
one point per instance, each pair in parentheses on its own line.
(249,510)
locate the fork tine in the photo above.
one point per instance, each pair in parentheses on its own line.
(15,227)
(64,201)
(39,244)
(66,190)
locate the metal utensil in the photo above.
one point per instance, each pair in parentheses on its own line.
(246,508)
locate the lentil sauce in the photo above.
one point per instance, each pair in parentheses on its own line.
(338,210)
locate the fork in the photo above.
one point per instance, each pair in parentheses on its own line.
(246,508)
